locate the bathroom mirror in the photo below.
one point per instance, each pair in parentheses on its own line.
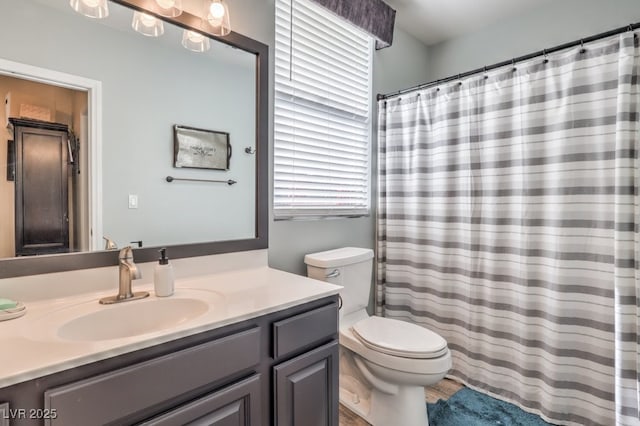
(139,89)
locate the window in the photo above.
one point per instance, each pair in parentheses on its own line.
(322,114)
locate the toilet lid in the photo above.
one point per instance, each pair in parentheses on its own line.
(399,338)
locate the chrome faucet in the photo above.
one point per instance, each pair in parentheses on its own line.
(128,271)
(109,244)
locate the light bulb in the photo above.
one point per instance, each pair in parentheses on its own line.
(92,8)
(195,42)
(166,4)
(147,20)
(216,10)
(169,8)
(195,37)
(147,24)
(218,17)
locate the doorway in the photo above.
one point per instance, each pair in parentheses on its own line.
(50,134)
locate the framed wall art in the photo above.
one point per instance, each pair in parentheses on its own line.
(201,149)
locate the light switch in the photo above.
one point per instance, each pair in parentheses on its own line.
(133,201)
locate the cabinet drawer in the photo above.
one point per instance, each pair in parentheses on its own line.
(303,330)
(116,395)
(237,405)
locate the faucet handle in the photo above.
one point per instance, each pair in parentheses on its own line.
(126,253)
(128,271)
(109,243)
(126,258)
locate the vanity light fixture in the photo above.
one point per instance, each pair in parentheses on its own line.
(169,8)
(218,17)
(92,8)
(195,41)
(147,25)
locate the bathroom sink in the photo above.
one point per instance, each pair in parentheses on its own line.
(131,319)
(90,321)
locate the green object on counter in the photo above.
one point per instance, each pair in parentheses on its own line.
(7,304)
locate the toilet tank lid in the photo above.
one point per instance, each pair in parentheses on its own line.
(338,257)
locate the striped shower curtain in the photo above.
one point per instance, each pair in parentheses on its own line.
(508,223)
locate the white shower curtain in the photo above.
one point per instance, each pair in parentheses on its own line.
(508,223)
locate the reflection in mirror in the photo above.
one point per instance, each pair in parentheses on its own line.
(125,131)
(40,206)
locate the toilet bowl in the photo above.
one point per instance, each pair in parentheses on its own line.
(384,363)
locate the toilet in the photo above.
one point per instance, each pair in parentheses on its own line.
(384,363)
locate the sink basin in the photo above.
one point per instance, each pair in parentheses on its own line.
(89,321)
(131,319)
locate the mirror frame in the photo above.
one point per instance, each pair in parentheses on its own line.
(35,265)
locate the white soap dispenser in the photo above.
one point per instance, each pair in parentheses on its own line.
(163,275)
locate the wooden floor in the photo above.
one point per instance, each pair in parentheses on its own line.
(441,390)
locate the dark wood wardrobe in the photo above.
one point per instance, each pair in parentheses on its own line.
(41,187)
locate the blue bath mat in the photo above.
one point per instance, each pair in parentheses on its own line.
(468,407)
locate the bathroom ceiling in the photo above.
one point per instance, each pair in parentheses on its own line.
(433,21)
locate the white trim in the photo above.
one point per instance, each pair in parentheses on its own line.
(94,94)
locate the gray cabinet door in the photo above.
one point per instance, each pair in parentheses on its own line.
(306,389)
(235,405)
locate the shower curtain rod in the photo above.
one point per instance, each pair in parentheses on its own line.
(513,61)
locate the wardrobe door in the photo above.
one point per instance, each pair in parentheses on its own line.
(41,195)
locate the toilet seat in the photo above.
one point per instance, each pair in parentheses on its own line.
(418,366)
(399,338)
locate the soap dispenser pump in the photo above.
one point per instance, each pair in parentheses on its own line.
(163,275)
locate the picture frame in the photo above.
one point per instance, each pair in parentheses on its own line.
(11,161)
(201,148)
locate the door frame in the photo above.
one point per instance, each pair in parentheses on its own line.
(94,143)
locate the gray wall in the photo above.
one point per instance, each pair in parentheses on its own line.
(148,86)
(408,63)
(554,23)
(289,241)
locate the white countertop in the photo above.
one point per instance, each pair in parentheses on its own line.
(240,286)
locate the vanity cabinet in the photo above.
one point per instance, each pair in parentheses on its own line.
(276,369)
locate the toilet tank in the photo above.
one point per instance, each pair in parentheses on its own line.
(350,267)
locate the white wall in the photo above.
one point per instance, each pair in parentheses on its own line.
(554,23)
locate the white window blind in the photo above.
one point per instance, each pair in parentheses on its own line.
(322,113)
